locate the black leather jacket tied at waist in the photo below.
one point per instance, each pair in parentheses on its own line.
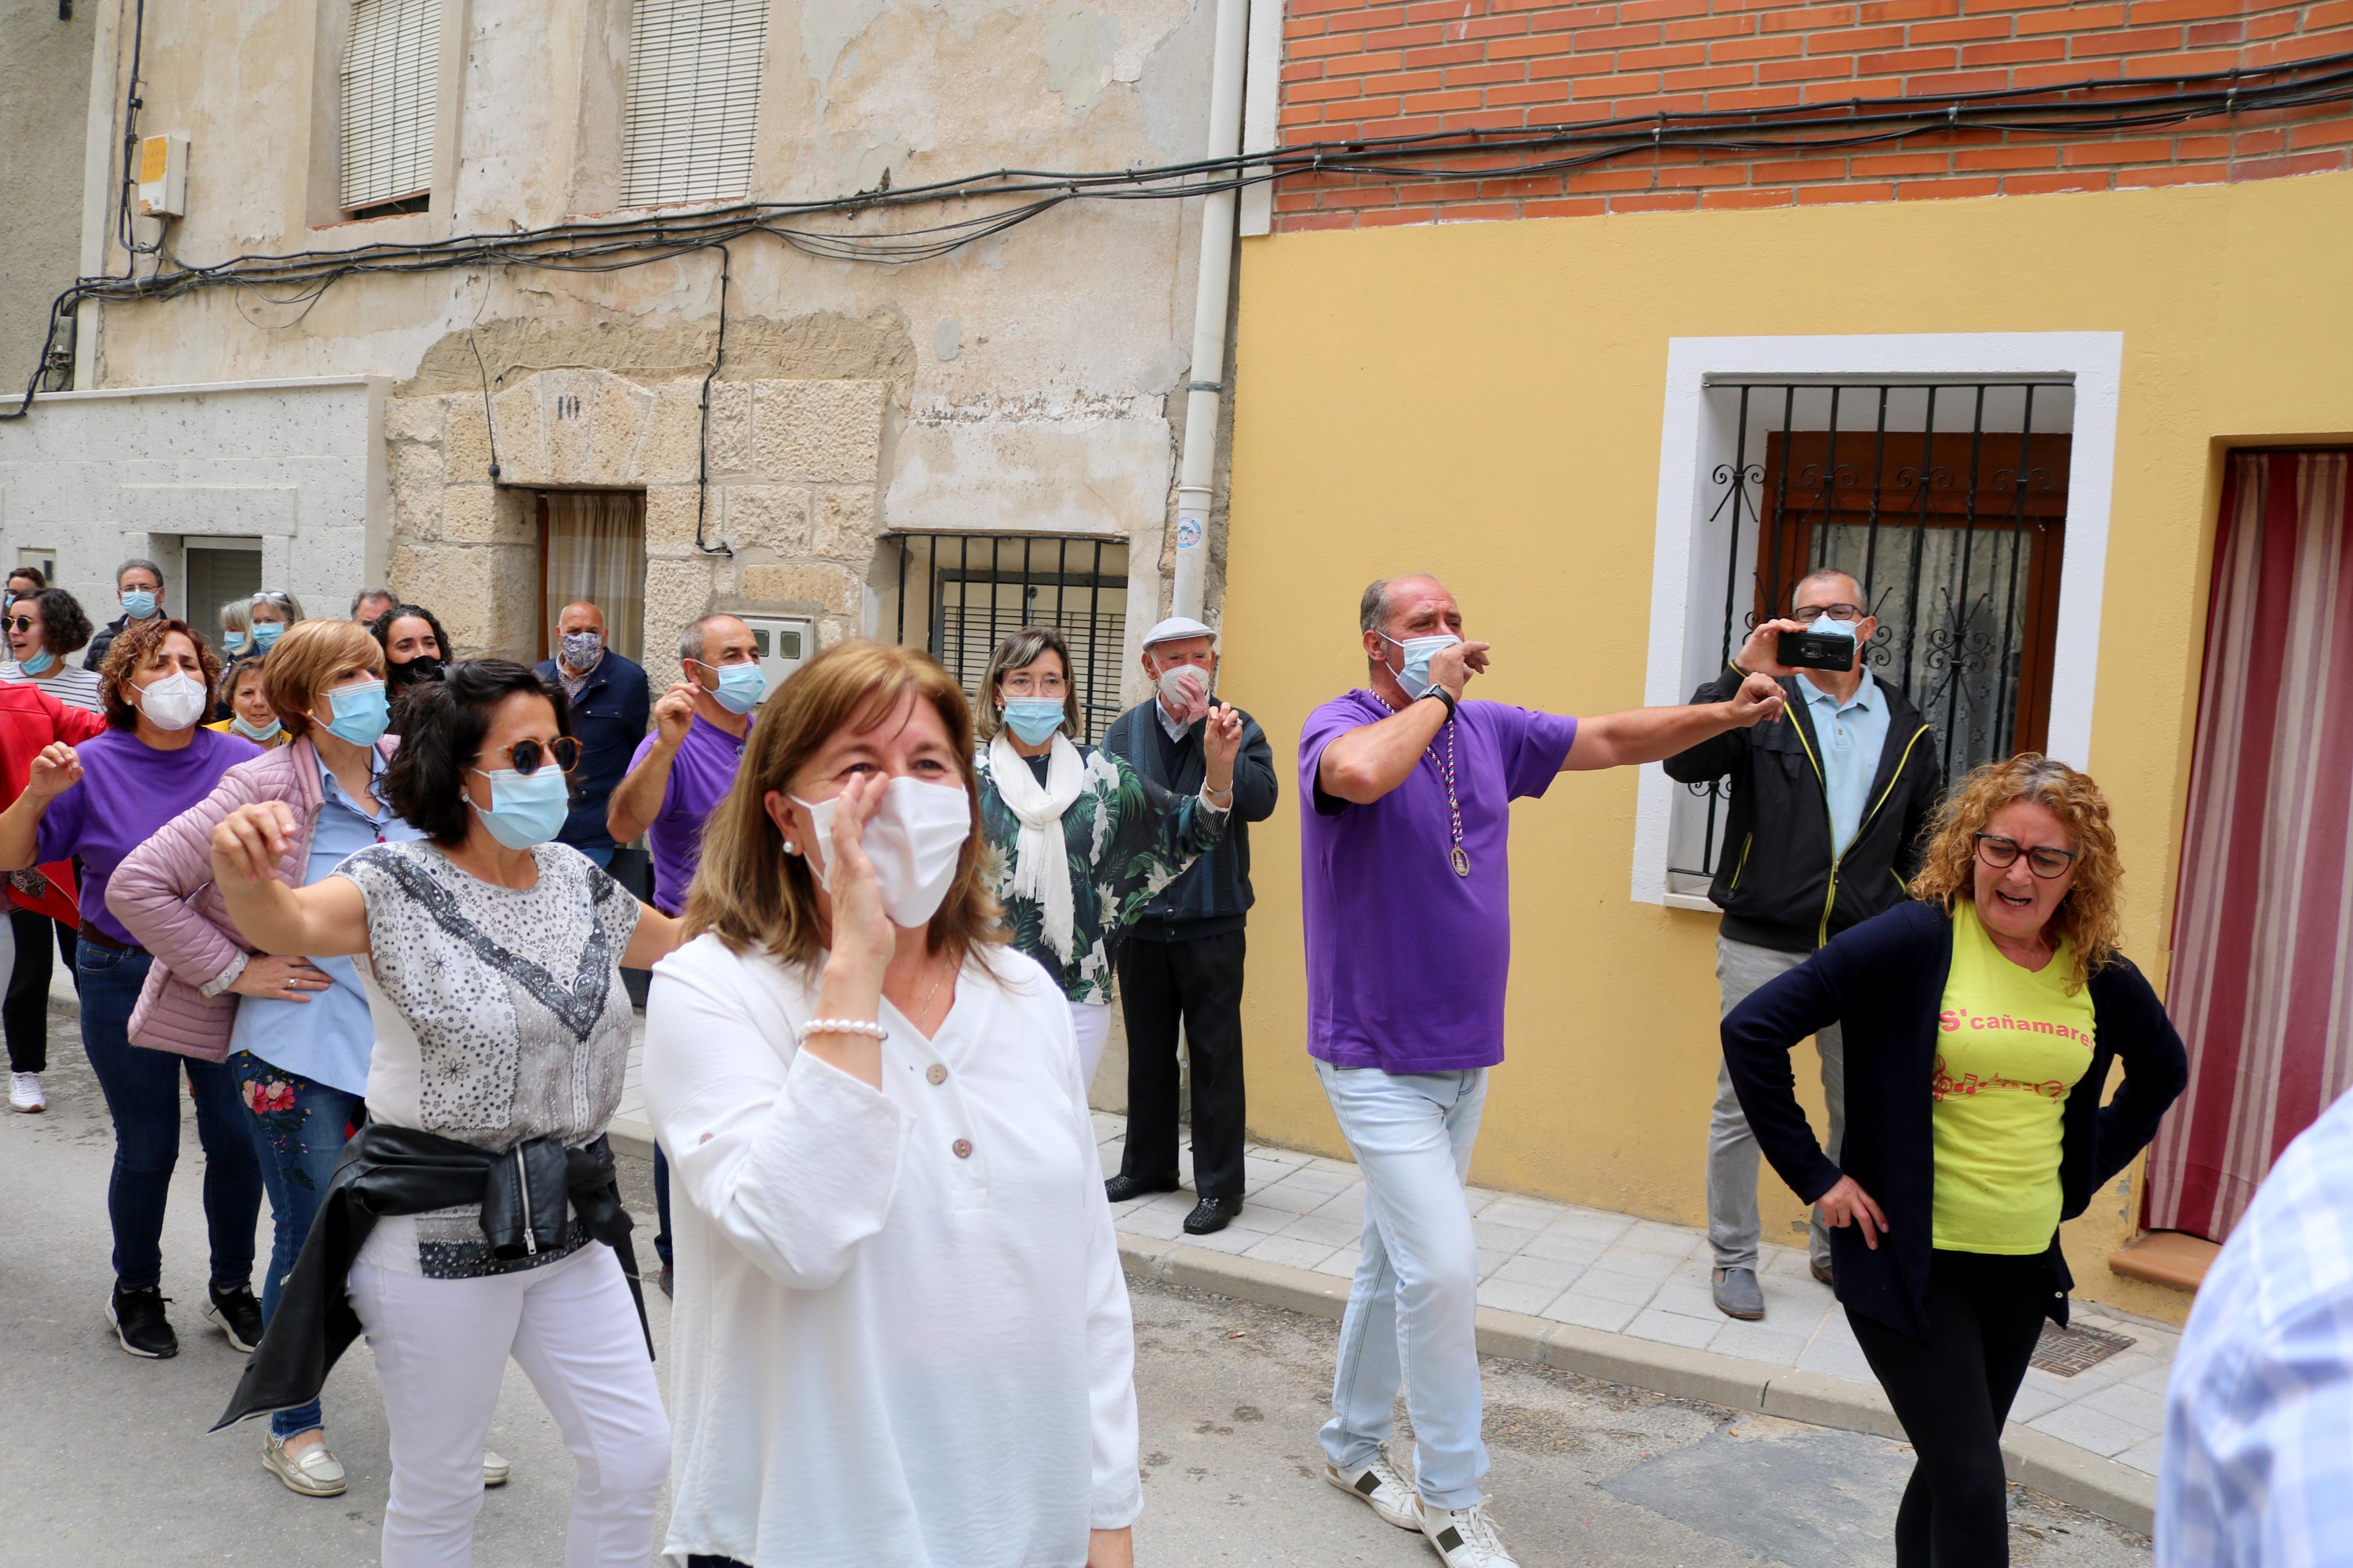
(528,1194)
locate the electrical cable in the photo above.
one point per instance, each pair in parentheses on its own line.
(703,452)
(2088,107)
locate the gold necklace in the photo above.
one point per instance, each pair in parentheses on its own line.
(925,1005)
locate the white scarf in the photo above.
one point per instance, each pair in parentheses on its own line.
(1041,865)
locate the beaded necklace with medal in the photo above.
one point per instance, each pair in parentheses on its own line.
(1461,862)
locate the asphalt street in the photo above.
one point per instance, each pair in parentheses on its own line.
(105,1457)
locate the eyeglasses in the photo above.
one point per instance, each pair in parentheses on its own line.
(2043,860)
(1028,685)
(1835,612)
(525,756)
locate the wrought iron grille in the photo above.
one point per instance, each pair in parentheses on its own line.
(960,593)
(1947,502)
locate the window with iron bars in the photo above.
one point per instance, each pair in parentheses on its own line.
(1947,502)
(960,593)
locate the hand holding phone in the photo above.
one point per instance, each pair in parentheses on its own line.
(1816,650)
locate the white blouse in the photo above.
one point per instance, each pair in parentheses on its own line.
(902,1334)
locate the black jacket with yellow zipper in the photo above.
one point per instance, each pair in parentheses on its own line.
(1776,879)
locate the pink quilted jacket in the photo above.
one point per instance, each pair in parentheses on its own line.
(163,895)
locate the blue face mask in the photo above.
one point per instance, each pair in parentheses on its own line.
(741,686)
(526,809)
(38,664)
(361,713)
(1825,626)
(1034,718)
(266,633)
(138,603)
(1415,676)
(260,737)
(233,642)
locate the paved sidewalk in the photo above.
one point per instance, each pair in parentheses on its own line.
(1632,1297)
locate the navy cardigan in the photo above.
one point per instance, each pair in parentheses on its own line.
(1882,981)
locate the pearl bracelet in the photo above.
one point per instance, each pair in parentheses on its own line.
(843,1027)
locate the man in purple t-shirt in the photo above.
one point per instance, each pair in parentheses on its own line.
(1405,797)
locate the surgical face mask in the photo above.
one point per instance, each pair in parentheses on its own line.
(741,686)
(361,713)
(174,701)
(233,642)
(1415,676)
(138,603)
(266,633)
(1825,626)
(1034,718)
(260,737)
(914,839)
(583,649)
(38,664)
(526,809)
(1181,683)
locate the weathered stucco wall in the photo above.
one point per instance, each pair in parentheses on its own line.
(44,98)
(1032,381)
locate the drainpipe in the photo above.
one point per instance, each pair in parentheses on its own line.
(1197,465)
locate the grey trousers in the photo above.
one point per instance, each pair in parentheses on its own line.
(1733,1229)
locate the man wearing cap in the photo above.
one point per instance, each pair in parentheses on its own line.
(1182,960)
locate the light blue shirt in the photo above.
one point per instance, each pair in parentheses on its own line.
(1851,735)
(329,1038)
(2258,1464)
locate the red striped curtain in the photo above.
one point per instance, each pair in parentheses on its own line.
(2262,985)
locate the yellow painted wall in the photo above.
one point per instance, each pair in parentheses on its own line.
(1483,401)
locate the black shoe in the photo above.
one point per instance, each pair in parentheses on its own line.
(140,1323)
(1211,1215)
(666,1282)
(236,1313)
(1119,1189)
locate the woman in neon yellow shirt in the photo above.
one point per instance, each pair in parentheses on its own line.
(1981,1021)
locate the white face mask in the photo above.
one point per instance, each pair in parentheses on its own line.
(1181,683)
(914,839)
(175,701)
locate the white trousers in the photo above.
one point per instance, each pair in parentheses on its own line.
(441,1346)
(1091,1020)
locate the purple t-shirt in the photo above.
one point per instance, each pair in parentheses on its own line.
(1407,961)
(127,789)
(701,775)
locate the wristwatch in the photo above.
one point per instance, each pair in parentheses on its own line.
(1443,696)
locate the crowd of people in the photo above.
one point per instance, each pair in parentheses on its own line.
(357,902)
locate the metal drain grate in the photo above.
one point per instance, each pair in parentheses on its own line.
(2064,1352)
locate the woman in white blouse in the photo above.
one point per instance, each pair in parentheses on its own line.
(902,1334)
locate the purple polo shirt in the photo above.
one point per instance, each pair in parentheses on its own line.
(701,775)
(1407,961)
(127,789)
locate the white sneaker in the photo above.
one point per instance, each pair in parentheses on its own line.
(25,1092)
(1464,1537)
(1386,1492)
(495,1470)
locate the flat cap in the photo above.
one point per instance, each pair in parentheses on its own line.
(1175,627)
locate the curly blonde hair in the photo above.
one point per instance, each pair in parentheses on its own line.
(2090,916)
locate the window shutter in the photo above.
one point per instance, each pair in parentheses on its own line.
(694,100)
(391,82)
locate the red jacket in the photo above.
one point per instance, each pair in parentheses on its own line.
(31,719)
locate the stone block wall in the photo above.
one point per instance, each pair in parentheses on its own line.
(789,521)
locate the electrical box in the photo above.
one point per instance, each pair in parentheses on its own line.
(162,176)
(784,643)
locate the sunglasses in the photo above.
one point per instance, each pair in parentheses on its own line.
(22,624)
(526,757)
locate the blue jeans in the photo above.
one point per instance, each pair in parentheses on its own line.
(1415,1301)
(143,1099)
(600,858)
(299,1129)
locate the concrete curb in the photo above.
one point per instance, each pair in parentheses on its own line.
(630,1138)
(2032,1458)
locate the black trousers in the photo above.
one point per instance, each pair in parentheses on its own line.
(1953,1393)
(1199,981)
(25,1014)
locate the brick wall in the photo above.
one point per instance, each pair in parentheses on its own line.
(1358,68)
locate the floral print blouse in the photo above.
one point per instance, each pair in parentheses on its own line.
(1127,840)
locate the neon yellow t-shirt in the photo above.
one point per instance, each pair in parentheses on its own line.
(2011,1042)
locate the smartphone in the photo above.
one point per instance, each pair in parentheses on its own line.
(1816,650)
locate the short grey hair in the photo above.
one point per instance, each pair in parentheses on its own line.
(285,603)
(1374,610)
(1823,574)
(138,563)
(364,595)
(694,637)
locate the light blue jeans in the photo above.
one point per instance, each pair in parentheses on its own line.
(1413,1307)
